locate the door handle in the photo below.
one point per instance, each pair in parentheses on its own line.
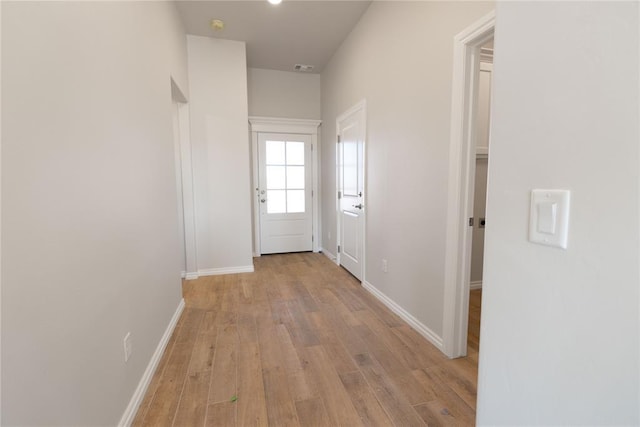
(263,200)
(358,206)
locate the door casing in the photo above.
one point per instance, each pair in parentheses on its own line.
(462,156)
(258,124)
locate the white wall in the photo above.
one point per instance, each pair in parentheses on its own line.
(89,242)
(220,149)
(560,328)
(404,72)
(283,94)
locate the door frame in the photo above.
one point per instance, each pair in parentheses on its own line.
(258,124)
(461,183)
(361,105)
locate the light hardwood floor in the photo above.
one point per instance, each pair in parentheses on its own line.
(473,334)
(301,343)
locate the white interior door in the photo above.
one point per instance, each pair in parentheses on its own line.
(351,137)
(285,178)
(482,126)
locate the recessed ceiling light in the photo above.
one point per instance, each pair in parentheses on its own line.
(217,24)
(275,1)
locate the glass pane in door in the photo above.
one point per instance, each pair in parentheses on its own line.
(285,176)
(295,177)
(295,153)
(295,201)
(275,153)
(276,177)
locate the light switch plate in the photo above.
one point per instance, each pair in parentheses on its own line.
(549,218)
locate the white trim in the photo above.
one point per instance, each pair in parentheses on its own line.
(191,276)
(420,327)
(292,126)
(138,395)
(226,270)
(0,228)
(331,256)
(477,284)
(461,176)
(638,264)
(361,105)
(183,274)
(184,168)
(188,193)
(255,192)
(276,125)
(315,200)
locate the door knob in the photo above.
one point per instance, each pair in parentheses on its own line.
(358,206)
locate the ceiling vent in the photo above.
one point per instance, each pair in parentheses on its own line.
(303,68)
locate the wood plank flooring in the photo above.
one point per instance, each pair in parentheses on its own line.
(301,343)
(473,334)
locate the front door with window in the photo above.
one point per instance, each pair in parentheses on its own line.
(285,193)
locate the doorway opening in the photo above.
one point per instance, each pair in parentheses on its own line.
(285,182)
(482,140)
(285,195)
(184,184)
(469,138)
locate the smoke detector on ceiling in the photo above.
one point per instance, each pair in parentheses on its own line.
(303,68)
(217,24)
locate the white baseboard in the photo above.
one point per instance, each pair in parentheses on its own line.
(191,276)
(226,270)
(183,274)
(422,329)
(475,285)
(138,395)
(329,255)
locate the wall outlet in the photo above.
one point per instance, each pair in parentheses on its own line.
(127,346)
(385,266)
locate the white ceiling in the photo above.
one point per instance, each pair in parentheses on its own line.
(278,37)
